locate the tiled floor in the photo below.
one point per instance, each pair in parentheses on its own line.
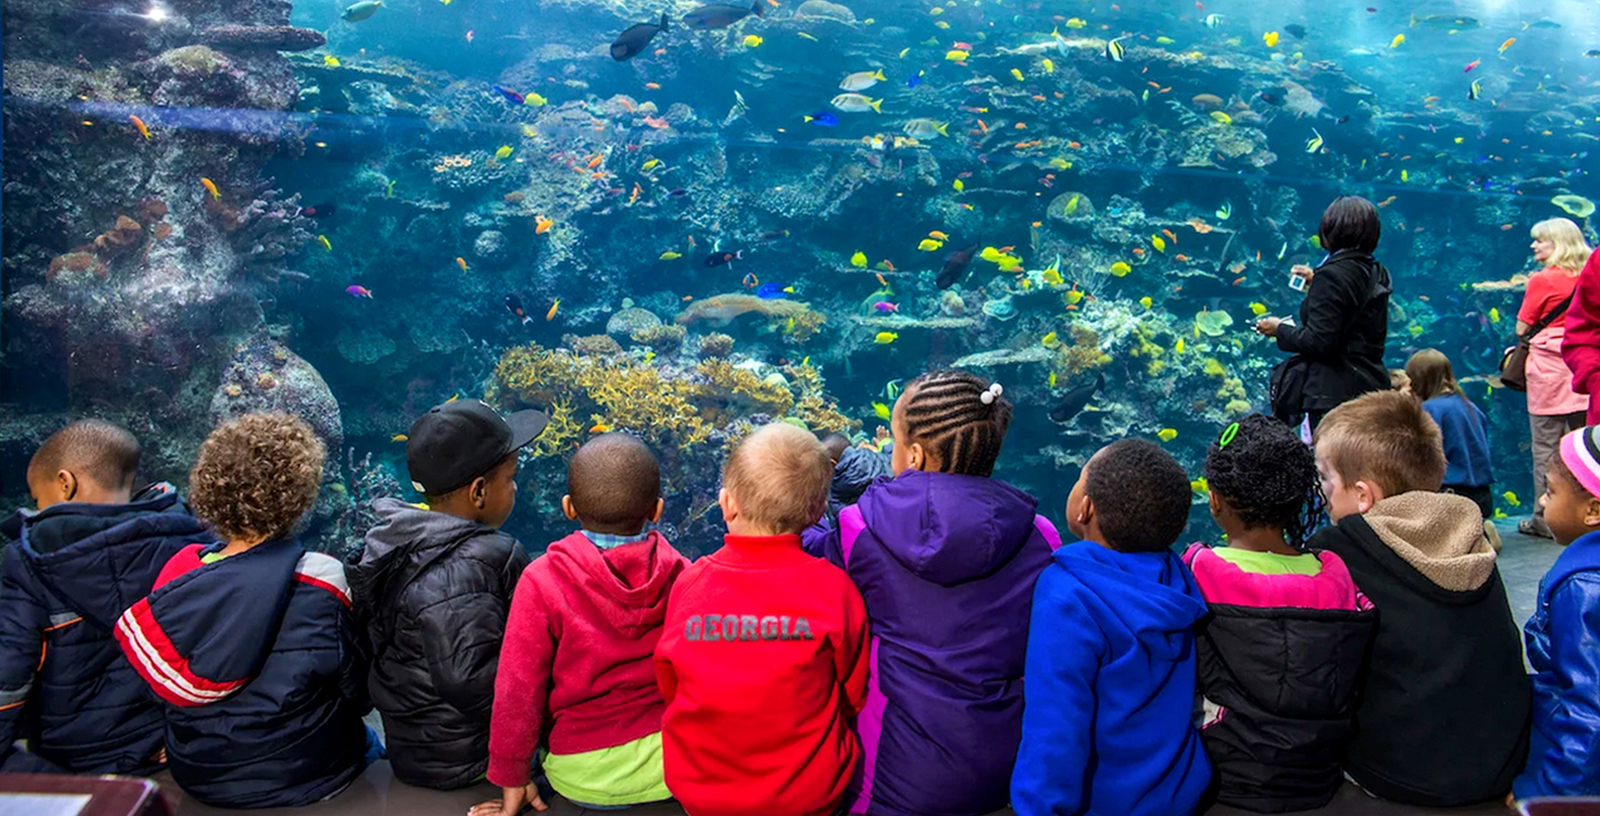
(1523,561)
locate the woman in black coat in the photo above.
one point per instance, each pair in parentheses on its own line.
(1338,344)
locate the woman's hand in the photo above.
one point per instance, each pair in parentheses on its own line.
(1268,326)
(1303,271)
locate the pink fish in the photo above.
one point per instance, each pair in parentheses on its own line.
(1470,66)
(358,291)
(885,306)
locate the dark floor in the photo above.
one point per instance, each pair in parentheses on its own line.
(1523,561)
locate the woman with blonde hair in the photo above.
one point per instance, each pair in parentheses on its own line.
(1553,407)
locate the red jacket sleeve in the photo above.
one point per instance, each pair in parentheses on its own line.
(852,656)
(1580,346)
(522,685)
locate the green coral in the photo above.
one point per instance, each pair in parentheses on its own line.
(1212,324)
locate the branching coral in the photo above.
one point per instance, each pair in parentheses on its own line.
(728,393)
(264,230)
(665,339)
(1084,353)
(716,344)
(562,432)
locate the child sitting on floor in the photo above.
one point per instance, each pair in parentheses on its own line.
(1443,715)
(763,659)
(945,557)
(1283,648)
(90,549)
(584,623)
(1563,635)
(251,643)
(1108,725)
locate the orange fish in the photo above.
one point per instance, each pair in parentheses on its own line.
(139,123)
(1504,227)
(1181,258)
(1139,251)
(1386,202)
(1200,226)
(594,161)
(542,225)
(635,196)
(461,262)
(1074,145)
(654,86)
(1238,280)
(211,187)
(888,263)
(881,281)
(660,51)
(551,315)
(1170,236)
(628,105)
(656,123)
(687,298)
(983,127)
(1027,144)
(1154,84)
(1021,126)
(1237,268)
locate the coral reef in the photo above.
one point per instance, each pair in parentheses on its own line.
(716,344)
(798,320)
(664,339)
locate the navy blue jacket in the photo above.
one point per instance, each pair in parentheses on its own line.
(257,659)
(1563,639)
(1466,440)
(64,685)
(1107,724)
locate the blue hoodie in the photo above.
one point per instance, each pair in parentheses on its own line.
(1563,639)
(1107,725)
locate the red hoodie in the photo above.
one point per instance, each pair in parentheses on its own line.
(763,665)
(1580,346)
(576,657)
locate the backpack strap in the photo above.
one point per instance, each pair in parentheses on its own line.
(850,526)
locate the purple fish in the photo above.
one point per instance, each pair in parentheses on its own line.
(885,306)
(358,291)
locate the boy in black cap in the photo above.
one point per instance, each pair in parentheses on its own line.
(434,586)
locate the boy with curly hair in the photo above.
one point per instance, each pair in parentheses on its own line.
(434,586)
(89,550)
(250,642)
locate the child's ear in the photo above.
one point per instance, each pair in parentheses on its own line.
(1086,512)
(1367,495)
(67,482)
(568,509)
(1216,504)
(1591,513)
(479,492)
(916,457)
(656,516)
(730,508)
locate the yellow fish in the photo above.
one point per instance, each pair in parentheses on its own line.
(1494,315)
(534,99)
(669,255)
(330,60)
(1398,39)
(942,25)
(1048,66)
(957,55)
(936,11)
(752,41)
(1017,72)
(1158,243)
(211,187)
(1270,38)
(1258,309)
(859,260)
(1072,205)
(808,36)
(1146,301)
(1221,118)
(885,338)
(958,185)
(1415,330)
(399,438)
(1050,340)
(1165,41)
(930,245)
(1052,276)
(529,132)
(326,244)
(1200,485)
(1169,434)
(1405,176)
(503,153)
(1511,499)
(905,51)
(1121,269)
(554,307)
(1503,47)
(1074,297)
(1460,139)
(881,410)
(1179,346)
(651,165)
(1076,22)
(1051,380)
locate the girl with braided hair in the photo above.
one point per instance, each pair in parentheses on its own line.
(1280,654)
(945,557)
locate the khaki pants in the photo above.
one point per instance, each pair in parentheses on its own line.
(1547,433)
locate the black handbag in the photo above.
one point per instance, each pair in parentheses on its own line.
(1514,362)
(1286,389)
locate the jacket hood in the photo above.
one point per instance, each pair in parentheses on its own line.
(858,468)
(404,542)
(628,584)
(1441,535)
(1154,594)
(100,558)
(949,528)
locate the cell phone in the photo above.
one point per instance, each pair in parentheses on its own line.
(1296,282)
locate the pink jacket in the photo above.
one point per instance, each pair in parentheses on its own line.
(1581,344)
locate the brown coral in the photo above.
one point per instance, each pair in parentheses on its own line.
(598,345)
(76,264)
(716,344)
(796,318)
(152,209)
(119,238)
(160,230)
(265,381)
(665,339)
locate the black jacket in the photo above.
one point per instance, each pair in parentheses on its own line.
(261,668)
(857,469)
(432,592)
(1280,685)
(64,685)
(1444,715)
(1343,325)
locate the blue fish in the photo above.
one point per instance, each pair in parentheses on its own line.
(771,291)
(511,96)
(823,119)
(915,80)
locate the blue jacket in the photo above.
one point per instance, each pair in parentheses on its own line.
(1466,441)
(257,659)
(1563,639)
(1108,724)
(64,685)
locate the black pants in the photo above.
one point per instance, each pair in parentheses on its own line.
(1484,496)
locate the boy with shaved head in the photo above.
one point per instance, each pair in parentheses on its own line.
(763,658)
(89,550)
(575,668)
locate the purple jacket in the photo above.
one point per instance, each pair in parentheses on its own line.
(946,564)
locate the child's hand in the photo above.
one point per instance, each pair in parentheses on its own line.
(510,802)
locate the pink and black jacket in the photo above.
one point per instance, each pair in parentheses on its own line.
(946,564)
(1281,659)
(257,659)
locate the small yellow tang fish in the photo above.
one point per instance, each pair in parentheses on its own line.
(326,244)
(884,338)
(1168,434)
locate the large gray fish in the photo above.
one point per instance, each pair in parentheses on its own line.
(1076,400)
(956,265)
(636,39)
(719,15)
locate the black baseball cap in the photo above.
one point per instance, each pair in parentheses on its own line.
(461,440)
